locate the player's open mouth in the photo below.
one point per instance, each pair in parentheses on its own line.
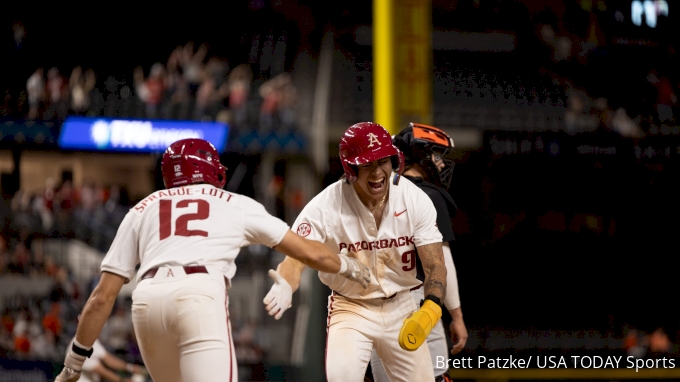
(376,185)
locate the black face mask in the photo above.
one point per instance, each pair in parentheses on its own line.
(439,178)
(446,174)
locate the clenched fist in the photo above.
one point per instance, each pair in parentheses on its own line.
(73,364)
(68,375)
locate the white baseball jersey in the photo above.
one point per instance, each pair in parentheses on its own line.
(168,226)
(338,218)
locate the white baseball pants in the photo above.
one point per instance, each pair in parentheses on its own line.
(436,342)
(356,327)
(182,326)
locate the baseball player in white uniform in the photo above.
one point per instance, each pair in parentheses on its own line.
(424,148)
(380,219)
(185,239)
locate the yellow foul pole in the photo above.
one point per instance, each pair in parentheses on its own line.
(384,97)
(402,62)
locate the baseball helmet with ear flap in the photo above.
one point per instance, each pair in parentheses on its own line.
(366,142)
(419,142)
(192,161)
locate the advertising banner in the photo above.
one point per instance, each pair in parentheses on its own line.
(135,135)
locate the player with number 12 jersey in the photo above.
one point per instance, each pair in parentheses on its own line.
(217,221)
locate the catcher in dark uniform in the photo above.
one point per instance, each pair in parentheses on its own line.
(424,149)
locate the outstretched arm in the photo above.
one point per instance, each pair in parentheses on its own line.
(309,252)
(316,255)
(300,252)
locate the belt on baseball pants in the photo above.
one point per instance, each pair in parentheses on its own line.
(381,298)
(390,297)
(189,269)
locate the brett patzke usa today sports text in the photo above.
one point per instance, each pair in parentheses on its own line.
(556,362)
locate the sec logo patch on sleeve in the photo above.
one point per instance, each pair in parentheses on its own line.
(304,229)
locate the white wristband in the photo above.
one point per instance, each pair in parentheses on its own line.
(343,265)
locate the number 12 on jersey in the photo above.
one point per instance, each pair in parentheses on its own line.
(181,224)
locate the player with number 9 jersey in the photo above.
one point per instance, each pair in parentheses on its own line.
(381,219)
(389,250)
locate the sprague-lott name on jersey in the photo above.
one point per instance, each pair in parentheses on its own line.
(377,244)
(183,191)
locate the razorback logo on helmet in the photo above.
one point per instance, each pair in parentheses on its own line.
(373,139)
(304,229)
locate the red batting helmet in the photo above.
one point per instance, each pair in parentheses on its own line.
(366,142)
(190,161)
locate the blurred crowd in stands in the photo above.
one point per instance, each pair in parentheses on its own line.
(190,85)
(568,55)
(39,322)
(39,318)
(584,44)
(89,212)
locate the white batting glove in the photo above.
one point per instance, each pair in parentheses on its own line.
(73,364)
(279,298)
(353,269)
